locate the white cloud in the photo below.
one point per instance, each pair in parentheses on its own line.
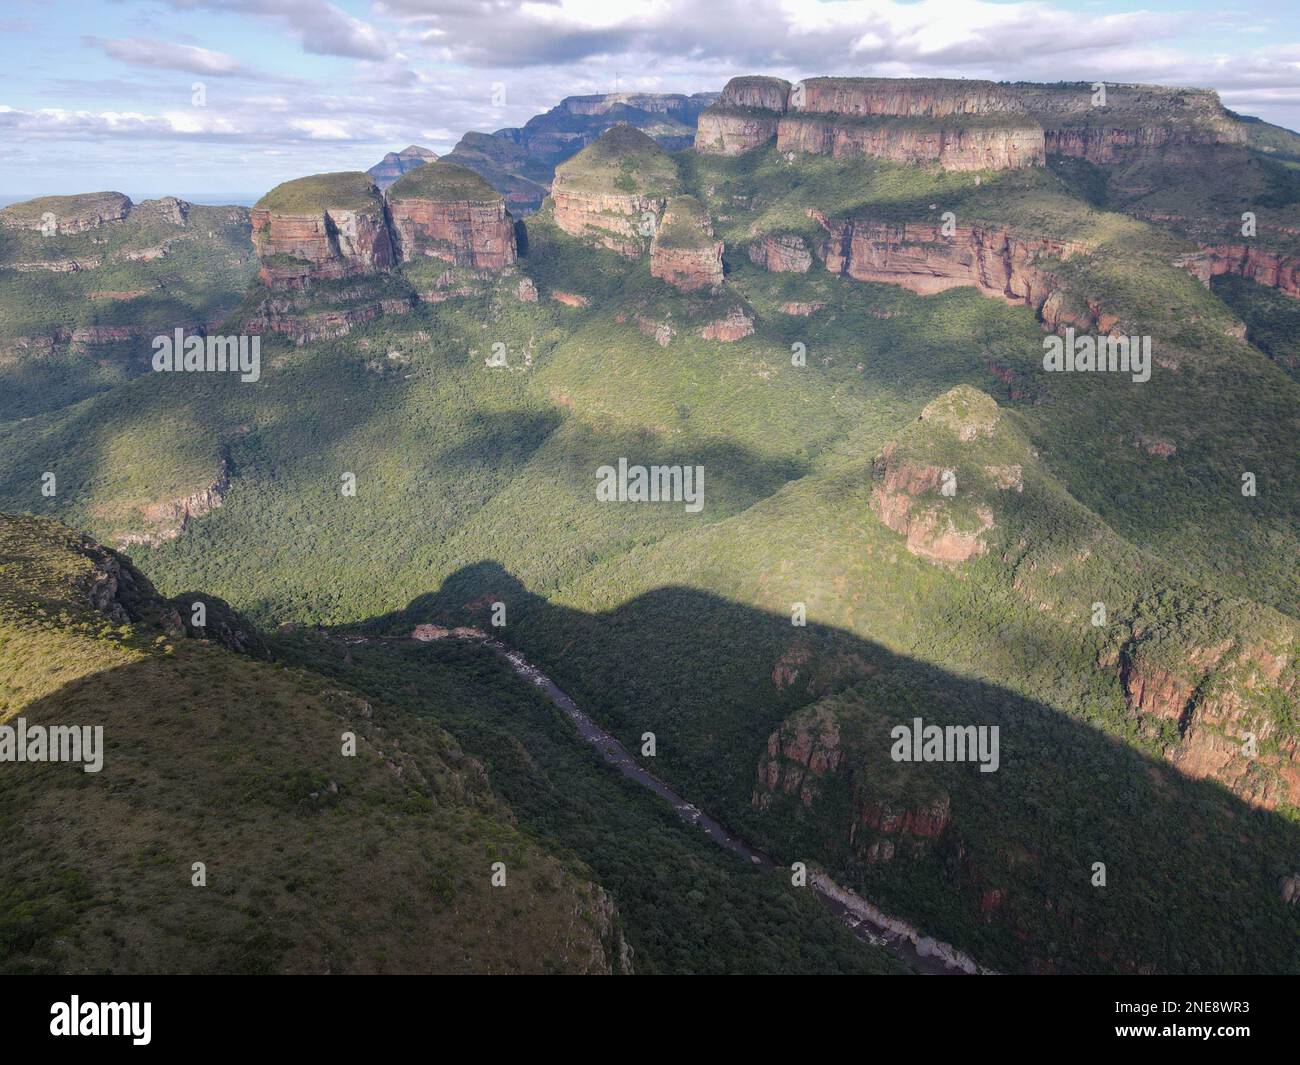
(141,52)
(322,28)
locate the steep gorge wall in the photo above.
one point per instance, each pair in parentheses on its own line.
(465,233)
(919,257)
(296,249)
(958,124)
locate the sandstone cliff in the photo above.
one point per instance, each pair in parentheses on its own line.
(612,193)
(447,212)
(921,258)
(684,251)
(960,124)
(1264,267)
(321,228)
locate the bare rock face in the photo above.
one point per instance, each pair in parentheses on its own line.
(732,132)
(481,235)
(1220,698)
(733,326)
(612,194)
(321,228)
(613,221)
(1244,260)
(445,211)
(756,90)
(684,252)
(962,124)
(745,117)
(67,214)
(952,148)
(919,257)
(781,253)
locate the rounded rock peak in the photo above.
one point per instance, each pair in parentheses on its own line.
(441,180)
(346,190)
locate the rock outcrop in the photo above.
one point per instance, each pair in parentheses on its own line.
(960,124)
(447,212)
(943,520)
(1000,263)
(955,147)
(1218,699)
(168,519)
(612,193)
(734,325)
(684,252)
(67,214)
(321,228)
(781,253)
(1281,272)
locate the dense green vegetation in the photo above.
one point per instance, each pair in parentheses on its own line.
(314,862)
(347,190)
(475,484)
(441,180)
(623,160)
(67,335)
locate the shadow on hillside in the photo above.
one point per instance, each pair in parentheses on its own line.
(1192,871)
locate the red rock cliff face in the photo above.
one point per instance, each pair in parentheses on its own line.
(619,223)
(1264,267)
(895,119)
(955,148)
(804,752)
(1219,701)
(684,252)
(465,233)
(297,249)
(1108,144)
(781,253)
(914,97)
(919,257)
(724,132)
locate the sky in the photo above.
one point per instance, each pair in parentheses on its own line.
(226,98)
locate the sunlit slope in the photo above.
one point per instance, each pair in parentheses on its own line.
(314,862)
(78,309)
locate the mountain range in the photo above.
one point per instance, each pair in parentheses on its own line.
(837,298)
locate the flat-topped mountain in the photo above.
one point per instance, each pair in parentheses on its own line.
(613,192)
(447,212)
(322,227)
(960,124)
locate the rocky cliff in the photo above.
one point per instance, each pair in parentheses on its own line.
(67,214)
(1264,267)
(684,251)
(321,228)
(959,124)
(447,212)
(612,193)
(921,258)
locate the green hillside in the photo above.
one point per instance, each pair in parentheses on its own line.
(824,436)
(314,862)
